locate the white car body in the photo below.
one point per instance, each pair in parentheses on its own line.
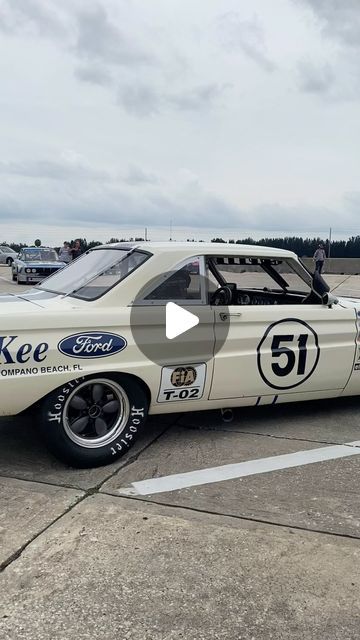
(7,255)
(278,348)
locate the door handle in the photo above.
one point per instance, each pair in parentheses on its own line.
(225,316)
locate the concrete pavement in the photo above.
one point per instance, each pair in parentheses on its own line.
(273,555)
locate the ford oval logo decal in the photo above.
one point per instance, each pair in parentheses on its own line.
(92,344)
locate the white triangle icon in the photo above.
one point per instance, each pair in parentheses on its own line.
(178,320)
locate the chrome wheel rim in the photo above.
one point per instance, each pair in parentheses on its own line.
(96,412)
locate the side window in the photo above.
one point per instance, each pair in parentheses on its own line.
(246,273)
(258,280)
(183,284)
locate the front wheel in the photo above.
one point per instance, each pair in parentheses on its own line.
(94,421)
(9,261)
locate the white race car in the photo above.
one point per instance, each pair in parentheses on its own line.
(34,264)
(132,329)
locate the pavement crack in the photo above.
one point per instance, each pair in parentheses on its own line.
(18,553)
(280,525)
(85,494)
(267,435)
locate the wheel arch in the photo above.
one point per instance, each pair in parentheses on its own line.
(117,376)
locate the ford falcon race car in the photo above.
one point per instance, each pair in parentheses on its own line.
(129,330)
(33,264)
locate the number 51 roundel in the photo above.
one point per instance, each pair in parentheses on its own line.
(288,353)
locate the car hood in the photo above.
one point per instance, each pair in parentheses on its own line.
(29,301)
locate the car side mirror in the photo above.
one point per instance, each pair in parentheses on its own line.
(329,299)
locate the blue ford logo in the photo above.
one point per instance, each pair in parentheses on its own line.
(92,344)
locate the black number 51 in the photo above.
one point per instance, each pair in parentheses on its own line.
(277,350)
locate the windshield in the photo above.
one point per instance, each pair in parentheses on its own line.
(44,255)
(94,273)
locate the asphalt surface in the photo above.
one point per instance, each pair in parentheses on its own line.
(270,555)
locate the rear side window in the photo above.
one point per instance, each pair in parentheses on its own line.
(183,285)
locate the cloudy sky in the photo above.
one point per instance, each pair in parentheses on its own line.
(225,117)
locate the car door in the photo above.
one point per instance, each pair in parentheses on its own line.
(275,349)
(2,256)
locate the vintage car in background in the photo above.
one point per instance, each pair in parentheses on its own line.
(33,264)
(7,255)
(87,347)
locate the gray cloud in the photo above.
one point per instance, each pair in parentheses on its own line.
(94,74)
(145,100)
(33,16)
(339,23)
(101,39)
(93,198)
(79,194)
(315,78)
(137,176)
(101,47)
(339,19)
(53,170)
(139,99)
(198,98)
(281,218)
(246,36)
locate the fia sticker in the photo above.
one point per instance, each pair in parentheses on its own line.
(185,382)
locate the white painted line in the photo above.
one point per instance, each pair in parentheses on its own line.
(240,470)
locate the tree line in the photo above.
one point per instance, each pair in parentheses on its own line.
(303,247)
(306,247)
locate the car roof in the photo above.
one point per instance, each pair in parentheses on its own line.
(202,248)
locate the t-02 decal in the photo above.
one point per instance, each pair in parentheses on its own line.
(185,382)
(288,353)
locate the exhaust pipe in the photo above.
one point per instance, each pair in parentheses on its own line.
(227,415)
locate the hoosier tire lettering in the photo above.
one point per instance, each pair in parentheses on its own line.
(90,422)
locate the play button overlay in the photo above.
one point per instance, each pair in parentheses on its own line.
(178,320)
(173,321)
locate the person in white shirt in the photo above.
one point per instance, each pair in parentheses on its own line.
(64,253)
(319,257)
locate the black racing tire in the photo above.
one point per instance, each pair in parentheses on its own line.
(14,277)
(9,261)
(90,422)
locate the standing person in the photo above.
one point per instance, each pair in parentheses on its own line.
(64,253)
(319,257)
(76,250)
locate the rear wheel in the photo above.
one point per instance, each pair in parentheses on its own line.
(94,421)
